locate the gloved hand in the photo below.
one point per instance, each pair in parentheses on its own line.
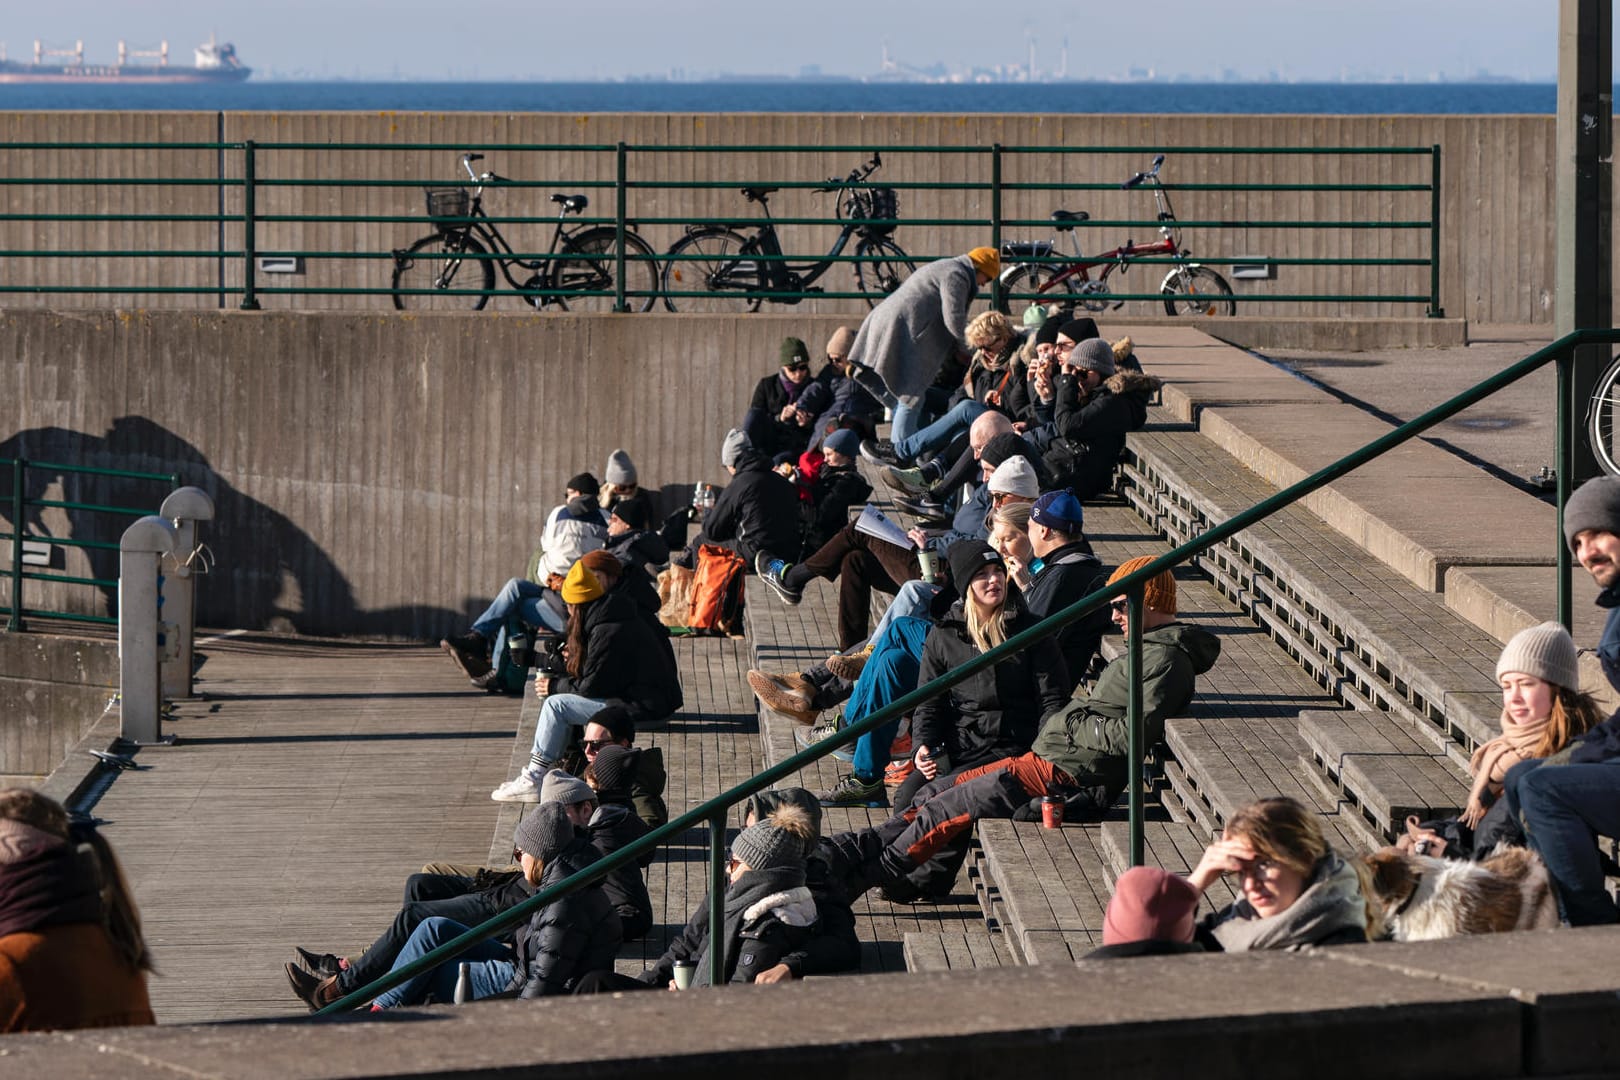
(1030,811)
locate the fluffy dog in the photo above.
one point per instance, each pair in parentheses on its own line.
(1422,898)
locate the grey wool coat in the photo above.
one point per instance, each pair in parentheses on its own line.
(907,337)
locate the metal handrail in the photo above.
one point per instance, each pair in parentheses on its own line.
(714,812)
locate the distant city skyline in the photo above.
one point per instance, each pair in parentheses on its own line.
(946,40)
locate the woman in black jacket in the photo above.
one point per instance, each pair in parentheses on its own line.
(612,655)
(560,944)
(1096,406)
(995,713)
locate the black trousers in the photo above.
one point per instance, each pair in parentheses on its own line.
(439,898)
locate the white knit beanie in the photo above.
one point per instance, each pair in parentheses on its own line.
(1015,476)
(1546,652)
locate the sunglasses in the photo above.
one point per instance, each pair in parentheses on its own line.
(798,367)
(1121,606)
(596,744)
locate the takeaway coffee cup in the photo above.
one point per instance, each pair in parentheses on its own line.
(1052,811)
(683,973)
(928,563)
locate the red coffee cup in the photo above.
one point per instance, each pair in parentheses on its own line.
(1052,812)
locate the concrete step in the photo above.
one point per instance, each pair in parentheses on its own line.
(1382,770)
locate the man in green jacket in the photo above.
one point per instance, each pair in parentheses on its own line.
(1080,753)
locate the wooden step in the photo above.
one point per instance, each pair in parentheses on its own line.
(1172,847)
(948,950)
(1053,884)
(1383,769)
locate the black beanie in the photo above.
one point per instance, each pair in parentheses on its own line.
(1078,330)
(968,557)
(1009,444)
(615,771)
(619,720)
(633,512)
(1047,334)
(585,484)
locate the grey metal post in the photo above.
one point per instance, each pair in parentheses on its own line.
(141,554)
(185,507)
(1582,299)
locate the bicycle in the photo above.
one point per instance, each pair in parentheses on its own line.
(718,268)
(1603,419)
(1189,288)
(454,267)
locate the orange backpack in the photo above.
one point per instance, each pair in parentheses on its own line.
(717,591)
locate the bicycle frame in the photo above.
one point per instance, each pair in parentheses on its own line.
(796,277)
(501,250)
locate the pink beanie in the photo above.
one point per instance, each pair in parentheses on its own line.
(1150,905)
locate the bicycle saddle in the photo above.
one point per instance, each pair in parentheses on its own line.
(572,203)
(1065,220)
(757,194)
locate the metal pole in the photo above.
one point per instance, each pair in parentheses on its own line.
(995,220)
(620,303)
(1133,714)
(250,296)
(185,507)
(18,470)
(1565,363)
(140,694)
(1435,310)
(717,899)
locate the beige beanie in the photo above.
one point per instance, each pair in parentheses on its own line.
(1546,651)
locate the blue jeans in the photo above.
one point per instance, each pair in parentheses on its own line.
(938,435)
(891,672)
(489,971)
(520,601)
(1564,809)
(911,602)
(560,713)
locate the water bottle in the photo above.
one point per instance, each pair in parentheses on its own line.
(517,645)
(463,984)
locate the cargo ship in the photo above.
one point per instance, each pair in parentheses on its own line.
(215,62)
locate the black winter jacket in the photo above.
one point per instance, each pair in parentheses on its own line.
(1068,574)
(618,645)
(832,945)
(995,713)
(765,941)
(566,940)
(832,494)
(759,510)
(1099,425)
(612,827)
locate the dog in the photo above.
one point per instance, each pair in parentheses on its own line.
(1422,898)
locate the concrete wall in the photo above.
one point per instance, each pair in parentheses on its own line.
(373,474)
(1497,237)
(67,686)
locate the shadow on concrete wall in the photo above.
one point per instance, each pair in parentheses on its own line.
(269,574)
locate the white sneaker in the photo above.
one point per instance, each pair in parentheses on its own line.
(523,789)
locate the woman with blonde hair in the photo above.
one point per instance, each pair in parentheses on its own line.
(1296,891)
(71,950)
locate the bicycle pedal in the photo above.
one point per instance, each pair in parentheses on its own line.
(814,289)
(1116,305)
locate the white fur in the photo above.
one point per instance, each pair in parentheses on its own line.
(1454,897)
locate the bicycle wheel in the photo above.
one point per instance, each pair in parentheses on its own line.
(1603,419)
(1032,278)
(1210,294)
(595,275)
(716,275)
(449,265)
(890,266)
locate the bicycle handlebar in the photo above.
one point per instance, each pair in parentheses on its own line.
(1141,177)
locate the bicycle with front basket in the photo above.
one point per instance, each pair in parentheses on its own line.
(1189,288)
(720,268)
(453,269)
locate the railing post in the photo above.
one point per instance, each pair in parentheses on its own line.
(140,694)
(185,507)
(19,468)
(995,220)
(250,250)
(717,899)
(1561,469)
(1435,310)
(1133,714)
(620,303)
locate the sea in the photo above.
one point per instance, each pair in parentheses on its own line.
(796,96)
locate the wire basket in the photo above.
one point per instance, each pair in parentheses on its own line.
(878,204)
(446,203)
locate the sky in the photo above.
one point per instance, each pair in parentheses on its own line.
(1301,40)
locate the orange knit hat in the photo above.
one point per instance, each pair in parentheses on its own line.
(987,261)
(1160,591)
(580,586)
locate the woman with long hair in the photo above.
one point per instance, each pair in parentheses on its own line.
(1296,891)
(71,950)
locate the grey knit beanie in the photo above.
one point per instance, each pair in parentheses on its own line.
(1015,476)
(1595,505)
(565,790)
(615,770)
(784,838)
(620,469)
(1094,354)
(545,832)
(1546,651)
(731,450)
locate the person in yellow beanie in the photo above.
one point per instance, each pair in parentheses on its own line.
(1079,755)
(608,659)
(904,342)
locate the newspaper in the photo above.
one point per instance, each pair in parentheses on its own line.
(874,524)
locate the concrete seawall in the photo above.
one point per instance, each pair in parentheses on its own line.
(1496,198)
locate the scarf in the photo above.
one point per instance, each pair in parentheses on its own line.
(741,898)
(1331,901)
(44,881)
(794,389)
(1491,761)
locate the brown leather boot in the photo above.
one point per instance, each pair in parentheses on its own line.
(789,694)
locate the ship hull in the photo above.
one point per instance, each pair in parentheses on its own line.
(28,73)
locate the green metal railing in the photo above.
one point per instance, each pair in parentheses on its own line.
(243,174)
(714,813)
(19,503)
